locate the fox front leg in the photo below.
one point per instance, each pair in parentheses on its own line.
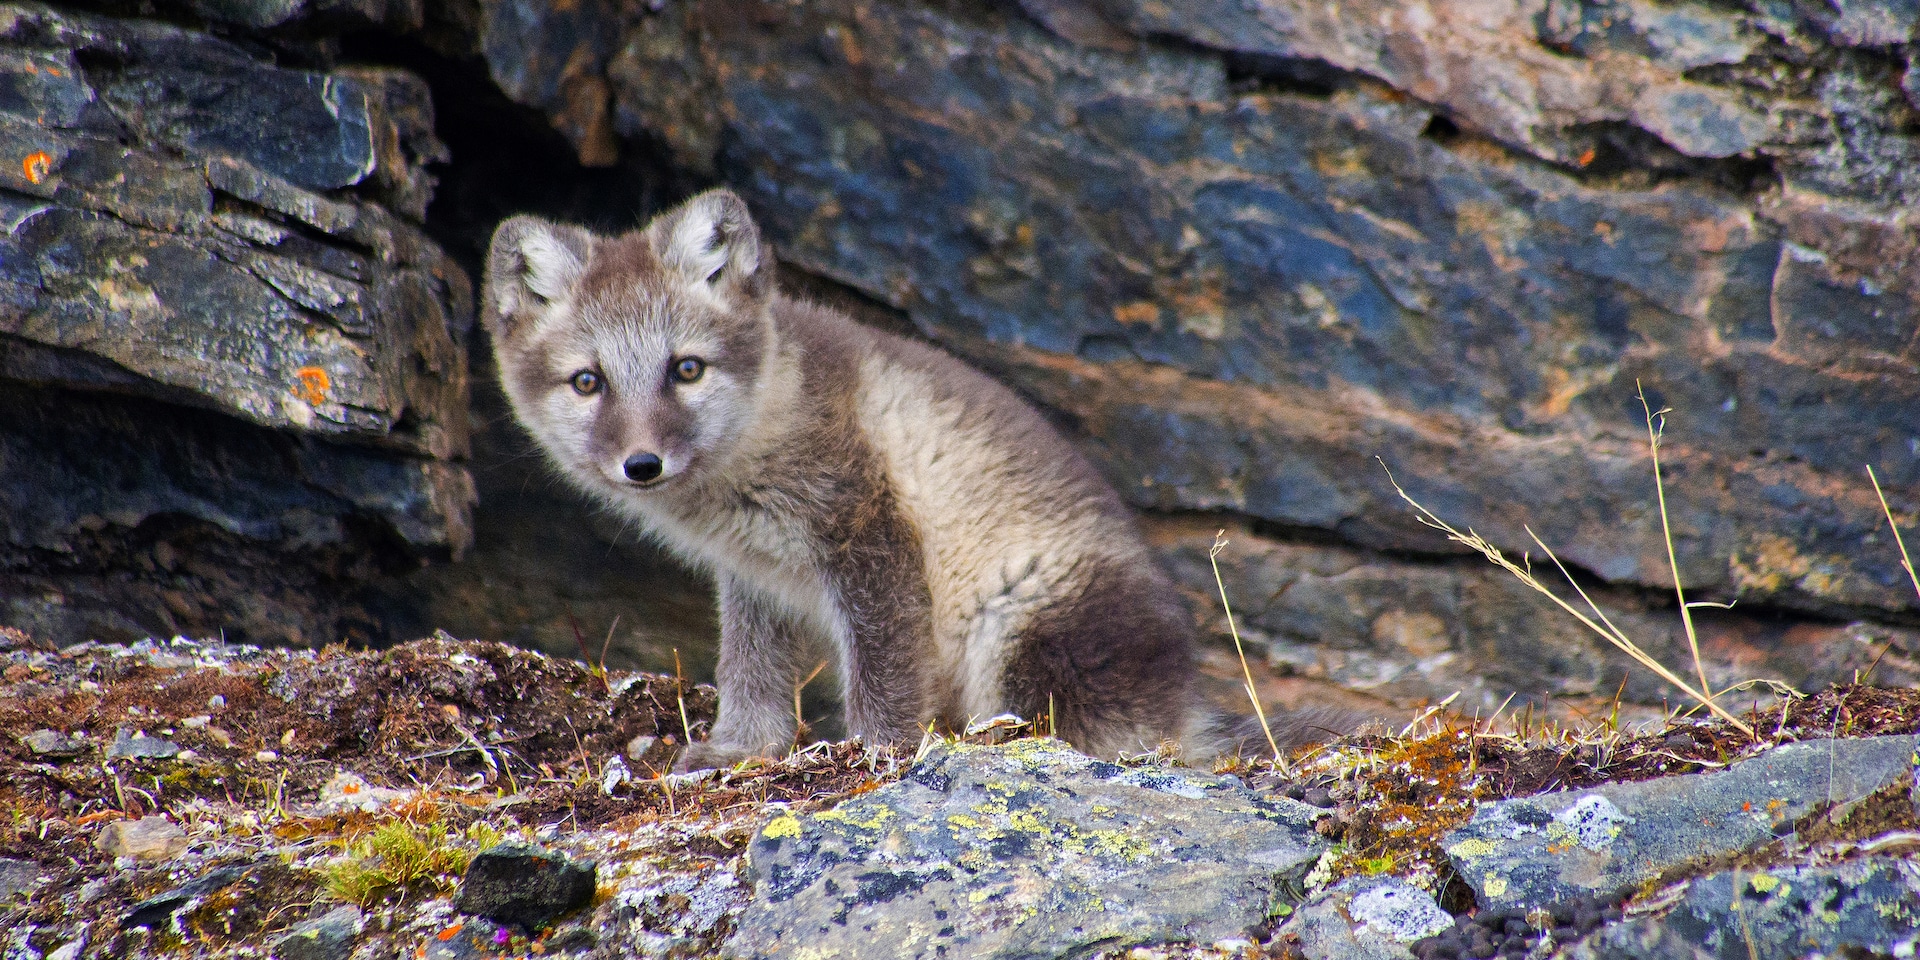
(759,669)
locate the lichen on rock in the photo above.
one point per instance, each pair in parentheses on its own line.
(1023,849)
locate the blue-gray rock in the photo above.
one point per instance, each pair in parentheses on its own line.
(128,745)
(1868,908)
(1023,850)
(1365,918)
(1560,846)
(54,744)
(328,937)
(524,885)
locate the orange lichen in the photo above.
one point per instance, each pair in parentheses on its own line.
(1418,790)
(35,165)
(1586,157)
(312,385)
(1137,312)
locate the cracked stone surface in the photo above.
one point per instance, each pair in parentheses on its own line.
(1555,847)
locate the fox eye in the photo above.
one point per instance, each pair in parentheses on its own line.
(689,369)
(585,383)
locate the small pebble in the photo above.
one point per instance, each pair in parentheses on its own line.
(151,839)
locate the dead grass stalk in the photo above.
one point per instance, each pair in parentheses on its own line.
(1253,694)
(1594,618)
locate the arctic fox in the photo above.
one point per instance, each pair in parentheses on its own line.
(853,493)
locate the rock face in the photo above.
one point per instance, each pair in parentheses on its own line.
(1557,847)
(185,224)
(1024,850)
(1245,277)
(1246,248)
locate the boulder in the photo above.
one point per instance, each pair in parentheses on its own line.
(525,885)
(1024,850)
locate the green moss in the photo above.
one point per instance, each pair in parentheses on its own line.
(399,857)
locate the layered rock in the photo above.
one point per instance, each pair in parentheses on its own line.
(1248,269)
(224,335)
(1252,251)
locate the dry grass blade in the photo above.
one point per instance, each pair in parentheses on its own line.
(1666,533)
(1905,559)
(1213,557)
(1598,624)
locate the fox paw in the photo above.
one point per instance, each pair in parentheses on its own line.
(708,755)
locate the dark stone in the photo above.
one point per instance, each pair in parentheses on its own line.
(524,885)
(188,223)
(157,910)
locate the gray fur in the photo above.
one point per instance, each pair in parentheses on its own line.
(854,494)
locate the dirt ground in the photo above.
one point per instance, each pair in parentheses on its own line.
(246,751)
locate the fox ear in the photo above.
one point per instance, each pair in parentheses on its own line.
(531,263)
(711,241)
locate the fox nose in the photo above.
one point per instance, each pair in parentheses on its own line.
(642,468)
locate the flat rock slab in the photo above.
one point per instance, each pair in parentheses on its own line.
(1866,907)
(1579,843)
(1026,849)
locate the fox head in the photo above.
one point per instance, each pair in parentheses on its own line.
(636,361)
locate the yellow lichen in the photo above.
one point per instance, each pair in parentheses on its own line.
(785,825)
(874,821)
(1472,849)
